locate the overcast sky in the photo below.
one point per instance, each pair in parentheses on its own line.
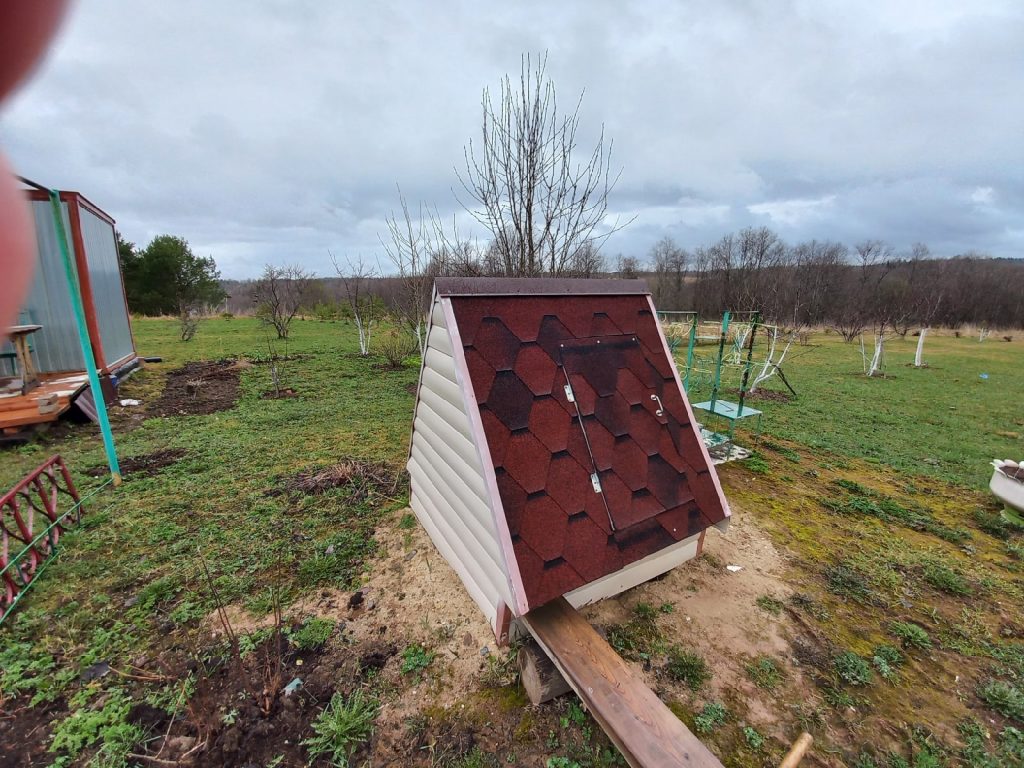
(270,132)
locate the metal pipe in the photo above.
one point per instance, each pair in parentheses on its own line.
(83,337)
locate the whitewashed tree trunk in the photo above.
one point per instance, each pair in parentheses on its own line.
(421,337)
(876,358)
(741,340)
(771,365)
(983,334)
(918,361)
(364,336)
(863,356)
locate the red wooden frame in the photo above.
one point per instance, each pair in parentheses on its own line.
(75,202)
(26,511)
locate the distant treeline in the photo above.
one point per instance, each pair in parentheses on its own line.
(809,284)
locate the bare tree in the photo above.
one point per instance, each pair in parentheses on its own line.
(356,278)
(279,294)
(627,267)
(526,184)
(669,262)
(410,247)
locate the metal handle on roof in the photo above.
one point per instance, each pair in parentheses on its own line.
(661,408)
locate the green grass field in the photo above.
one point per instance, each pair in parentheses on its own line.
(942,420)
(131,581)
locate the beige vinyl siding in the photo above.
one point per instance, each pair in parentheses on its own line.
(449,493)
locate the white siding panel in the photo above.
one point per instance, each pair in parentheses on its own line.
(469,484)
(480,558)
(449,493)
(439,340)
(635,573)
(440,363)
(420,504)
(437,316)
(473,512)
(450,391)
(446,420)
(442,455)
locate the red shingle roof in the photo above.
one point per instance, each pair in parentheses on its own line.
(656,488)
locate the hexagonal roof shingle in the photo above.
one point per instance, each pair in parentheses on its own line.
(547,450)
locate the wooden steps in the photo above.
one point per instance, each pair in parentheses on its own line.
(635,719)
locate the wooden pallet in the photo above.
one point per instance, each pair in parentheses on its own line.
(635,719)
(45,402)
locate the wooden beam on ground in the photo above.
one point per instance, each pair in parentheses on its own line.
(541,678)
(635,719)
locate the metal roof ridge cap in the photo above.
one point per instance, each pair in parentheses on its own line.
(538,286)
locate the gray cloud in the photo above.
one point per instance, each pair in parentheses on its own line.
(270,132)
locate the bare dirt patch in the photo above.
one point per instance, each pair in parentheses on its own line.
(146,465)
(411,597)
(715,614)
(200,388)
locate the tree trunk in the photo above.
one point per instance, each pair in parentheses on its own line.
(920,348)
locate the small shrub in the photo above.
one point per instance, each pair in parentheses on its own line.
(770,604)
(992,523)
(764,673)
(757,464)
(639,638)
(838,698)
(342,728)
(890,654)
(807,603)
(864,760)
(1004,698)
(188,324)
(312,634)
(709,718)
(408,521)
(396,347)
(910,635)
(852,668)
(946,579)
(754,739)
(846,581)
(106,726)
(227,316)
(1016,551)
(687,667)
(416,658)
(852,486)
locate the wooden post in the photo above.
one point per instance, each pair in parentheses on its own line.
(541,679)
(797,752)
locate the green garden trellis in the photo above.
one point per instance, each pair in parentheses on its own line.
(733,338)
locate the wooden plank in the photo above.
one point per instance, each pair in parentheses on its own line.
(635,719)
(24,417)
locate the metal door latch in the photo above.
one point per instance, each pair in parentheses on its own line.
(661,408)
